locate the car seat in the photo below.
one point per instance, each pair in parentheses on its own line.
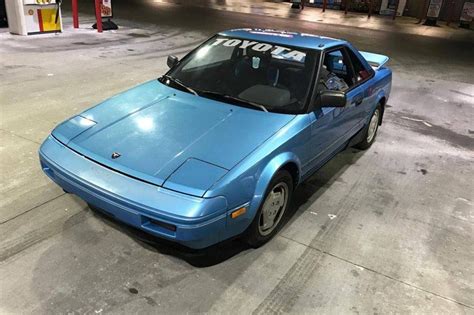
(255,68)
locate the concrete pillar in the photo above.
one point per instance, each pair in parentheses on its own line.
(16,17)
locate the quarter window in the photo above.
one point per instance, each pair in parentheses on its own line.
(360,72)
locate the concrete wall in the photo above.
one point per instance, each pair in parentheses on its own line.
(455,6)
(413,8)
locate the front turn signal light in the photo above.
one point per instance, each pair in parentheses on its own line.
(238,212)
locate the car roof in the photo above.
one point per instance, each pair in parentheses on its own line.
(303,40)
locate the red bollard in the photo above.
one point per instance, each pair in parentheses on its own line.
(422,14)
(98,15)
(325,3)
(75,14)
(395,12)
(450,13)
(371,3)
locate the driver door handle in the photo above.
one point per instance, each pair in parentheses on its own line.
(357,100)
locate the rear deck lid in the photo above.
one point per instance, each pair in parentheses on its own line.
(376,61)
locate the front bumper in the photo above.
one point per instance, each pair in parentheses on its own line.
(191,221)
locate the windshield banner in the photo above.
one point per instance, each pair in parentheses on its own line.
(276,51)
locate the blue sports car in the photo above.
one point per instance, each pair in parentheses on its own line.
(215,147)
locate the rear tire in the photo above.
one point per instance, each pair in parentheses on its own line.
(370,132)
(268,219)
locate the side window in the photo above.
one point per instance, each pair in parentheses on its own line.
(360,72)
(335,72)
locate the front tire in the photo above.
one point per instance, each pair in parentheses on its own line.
(269,216)
(371,129)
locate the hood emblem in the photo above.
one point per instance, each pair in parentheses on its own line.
(116,155)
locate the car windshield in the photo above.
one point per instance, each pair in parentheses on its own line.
(249,73)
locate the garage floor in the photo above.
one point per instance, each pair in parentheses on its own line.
(389,230)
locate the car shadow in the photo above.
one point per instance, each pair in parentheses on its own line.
(196,257)
(312,188)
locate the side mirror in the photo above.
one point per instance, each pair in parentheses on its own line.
(172,61)
(331,99)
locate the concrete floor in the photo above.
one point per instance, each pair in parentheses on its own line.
(389,230)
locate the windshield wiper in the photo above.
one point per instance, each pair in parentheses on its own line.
(181,84)
(231,98)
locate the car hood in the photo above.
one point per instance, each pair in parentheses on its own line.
(168,137)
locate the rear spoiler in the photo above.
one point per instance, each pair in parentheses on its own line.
(375,60)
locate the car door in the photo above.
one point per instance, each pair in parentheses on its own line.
(359,95)
(331,127)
